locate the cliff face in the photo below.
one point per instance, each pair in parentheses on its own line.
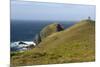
(48,30)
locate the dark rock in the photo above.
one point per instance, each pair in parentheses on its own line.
(59,27)
(37,39)
(30,46)
(22,42)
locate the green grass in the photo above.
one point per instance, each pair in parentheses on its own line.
(48,30)
(75,44)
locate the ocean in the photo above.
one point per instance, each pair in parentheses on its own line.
(27,30)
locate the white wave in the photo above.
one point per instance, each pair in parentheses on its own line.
(22,45)
(14,44)
(30,42)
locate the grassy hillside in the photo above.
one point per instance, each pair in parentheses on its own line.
(48,30)
(75,44)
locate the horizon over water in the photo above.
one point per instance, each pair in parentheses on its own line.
(26,30)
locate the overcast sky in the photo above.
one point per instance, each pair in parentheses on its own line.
(24,10)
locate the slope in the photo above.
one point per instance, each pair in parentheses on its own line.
(75,44)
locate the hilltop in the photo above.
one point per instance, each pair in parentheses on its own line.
(75,44)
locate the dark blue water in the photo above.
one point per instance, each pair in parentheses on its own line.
(26,30)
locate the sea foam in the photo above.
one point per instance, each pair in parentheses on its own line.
(21,45)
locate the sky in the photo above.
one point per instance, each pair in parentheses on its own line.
(28,10)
